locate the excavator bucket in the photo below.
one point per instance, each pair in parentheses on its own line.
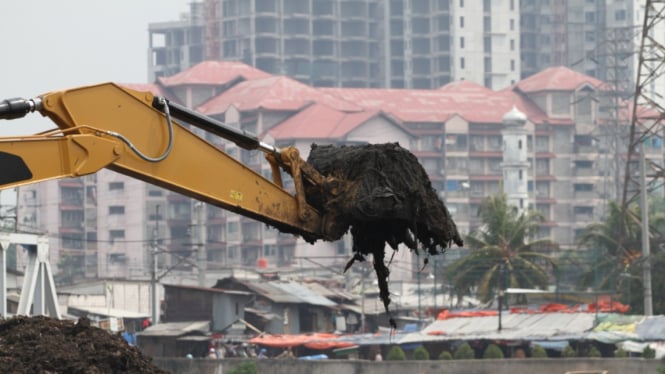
(384,196)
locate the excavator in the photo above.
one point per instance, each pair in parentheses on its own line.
(148,137)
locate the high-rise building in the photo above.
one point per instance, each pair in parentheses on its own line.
(349,43)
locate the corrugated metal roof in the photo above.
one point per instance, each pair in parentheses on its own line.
(109,312)
(208,289)
(544,326)
(177,328)
(214,73)
(328,291)
(651,328)
(288,292)
(303,293)
(271,292)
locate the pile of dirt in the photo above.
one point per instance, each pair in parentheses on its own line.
(46,345)
(385,197)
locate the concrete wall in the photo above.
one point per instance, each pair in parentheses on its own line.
(503,366)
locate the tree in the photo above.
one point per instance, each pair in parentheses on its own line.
(649,352)
(464,352)
(594,352)
(493,351)
(569,352)
(396,353)
(616,245)
(504,251)
(445,355)
(620,352)
(421,354)
(538,352)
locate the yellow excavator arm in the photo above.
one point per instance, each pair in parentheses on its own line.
(137,134)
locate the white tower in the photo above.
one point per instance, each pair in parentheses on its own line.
(515,165)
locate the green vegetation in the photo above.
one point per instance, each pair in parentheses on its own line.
(493,351)
(620,353)
(503,251)
(648,352)
(464,352)
(594,352)
(538,352)
(569,352)
(421,354)
(396,353)
(445,355)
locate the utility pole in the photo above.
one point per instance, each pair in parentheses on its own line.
(646,250)
(362,298)
(202,257)
(501,293)
(650,73)
(153,276)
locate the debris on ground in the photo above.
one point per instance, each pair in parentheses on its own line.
(386,198)
(42,344)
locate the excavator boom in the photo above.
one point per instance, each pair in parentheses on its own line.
(134,133)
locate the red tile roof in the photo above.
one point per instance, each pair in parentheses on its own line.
(273,93)
(558,78)
(472,102)
(465,86)
(320,121)
(214,73)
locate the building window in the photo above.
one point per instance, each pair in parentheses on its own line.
(116,186)
(620,15)
(512,44)
(116,209)
(512,25)
(584,164)
(461,22)
(461,42)
(585,210)
(461,3)
(116,234)
(512,65)
(583,187)
(521,175)
(461,62)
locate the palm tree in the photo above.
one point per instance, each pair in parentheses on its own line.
(504,251)
(617,246)
(616,242)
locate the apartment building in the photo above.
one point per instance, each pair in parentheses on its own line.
(107,224)
(349,43)
(596,38)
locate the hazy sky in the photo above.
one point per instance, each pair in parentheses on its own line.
(50,45)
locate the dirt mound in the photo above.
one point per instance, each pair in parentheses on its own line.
(47,345)
(386,198)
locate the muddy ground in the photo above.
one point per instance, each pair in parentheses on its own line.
(46,345)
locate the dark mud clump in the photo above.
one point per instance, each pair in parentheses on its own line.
(384,196)
(47,345)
